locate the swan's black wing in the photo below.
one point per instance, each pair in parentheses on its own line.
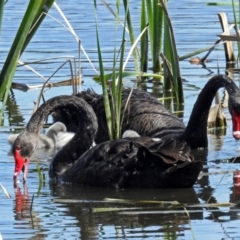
(148,117)
(139,162)
(143,114)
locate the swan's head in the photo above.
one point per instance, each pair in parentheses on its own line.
(22,149)
(236,125)
(234,109)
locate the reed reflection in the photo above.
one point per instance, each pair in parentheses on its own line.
(15,116)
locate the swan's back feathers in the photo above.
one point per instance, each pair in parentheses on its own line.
(152,119)
(91,97)
(136,162)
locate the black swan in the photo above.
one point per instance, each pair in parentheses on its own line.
(55,137)
(148,117)
(129,162)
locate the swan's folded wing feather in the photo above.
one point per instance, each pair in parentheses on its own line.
(174,151)
(99,166)
(126,162)
(171,151)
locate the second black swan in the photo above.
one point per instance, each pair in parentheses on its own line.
(148,117)
(132,162)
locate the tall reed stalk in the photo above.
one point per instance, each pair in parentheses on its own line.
(236,22)
(170,52)
(112,88)
(1,13)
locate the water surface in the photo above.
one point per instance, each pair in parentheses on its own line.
(67,212)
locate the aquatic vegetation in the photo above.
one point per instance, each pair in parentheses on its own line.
(29,25)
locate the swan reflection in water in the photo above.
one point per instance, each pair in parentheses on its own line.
(132,219)
(22,203)
(97,217)
(84,214)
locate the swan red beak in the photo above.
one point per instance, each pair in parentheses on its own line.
(20,164)
(236,125)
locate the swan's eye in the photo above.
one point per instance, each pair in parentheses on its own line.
(18,147)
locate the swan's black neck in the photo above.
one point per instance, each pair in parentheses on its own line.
(196,131)
(83,138)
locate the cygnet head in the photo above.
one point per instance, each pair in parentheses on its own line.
(56,128)
(130,134)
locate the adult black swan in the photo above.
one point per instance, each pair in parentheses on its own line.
(148,117)
(132,162)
